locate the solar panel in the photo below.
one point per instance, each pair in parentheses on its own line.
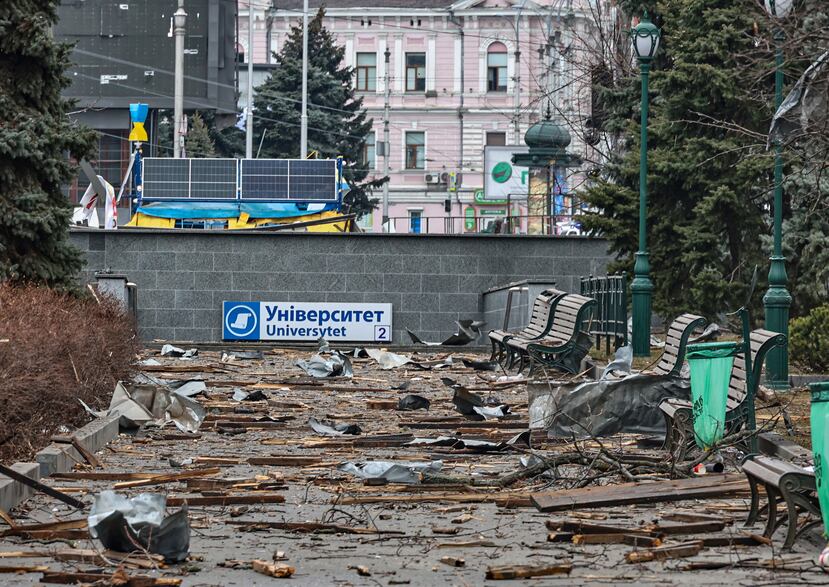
(287,180)
(265,179)
(166,178)
(313,179)
(213,179)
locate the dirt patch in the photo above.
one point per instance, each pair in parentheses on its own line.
(55,349)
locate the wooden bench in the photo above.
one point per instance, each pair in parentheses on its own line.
(566,343)
(678,413)
(784,477)
(540,322)
(676,341)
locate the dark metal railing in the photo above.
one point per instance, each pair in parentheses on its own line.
(610,318)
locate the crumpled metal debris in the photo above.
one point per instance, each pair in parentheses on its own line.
(328,428)
(336,364)
(604,408)
(621,363)
(492,412)
(474,406)
(805,106)
(481,365)
(241,355)
(188,388)
(468,331)
(387,359)
(257,395)
(121,523)
(169,350)
(711,332)
(408,472)
(152,404)
(413,402)
(456,443)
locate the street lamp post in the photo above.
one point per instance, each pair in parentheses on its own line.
(777,299)
(179,22)
(645,37)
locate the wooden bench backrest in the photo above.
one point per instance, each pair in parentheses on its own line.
(676,339)
(762,341)
(542,312)
(570,313)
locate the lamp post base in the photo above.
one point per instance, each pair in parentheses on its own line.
(641,292)
(777,302)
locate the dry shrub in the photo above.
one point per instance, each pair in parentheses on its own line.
(56,348)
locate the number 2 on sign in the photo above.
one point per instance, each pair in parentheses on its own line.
(382,333)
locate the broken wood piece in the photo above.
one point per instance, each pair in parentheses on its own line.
(285,461)
(4,569)
(278,570)
(507,572)
(665,552)
(631,493)
(223,500)
(453,530)
(38,486)
(45,527)
(310,527)
(362,570)
(688,527)
(381,404)
(88,456)
(468,544)
(580,527)
(101,476)
(453,561)
(168,478)
(633,539)
(118,578)
(496,498)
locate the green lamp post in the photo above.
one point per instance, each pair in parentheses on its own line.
(777,299)
(645,37)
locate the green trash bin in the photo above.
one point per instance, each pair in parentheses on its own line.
(820,446)
(710,365)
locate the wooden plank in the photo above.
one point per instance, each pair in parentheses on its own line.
(223,500)
(168,478)
(508,572)
(628,493)
(102,476)
(38,486)
(86,454)
(16,569)
(117,578)
(285,461)
(665,552)
(309,527)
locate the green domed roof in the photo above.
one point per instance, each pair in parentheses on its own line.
(547,135)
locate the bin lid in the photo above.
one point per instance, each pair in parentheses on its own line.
(713,350)
(820,391)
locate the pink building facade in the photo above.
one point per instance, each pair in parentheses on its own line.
(462,76)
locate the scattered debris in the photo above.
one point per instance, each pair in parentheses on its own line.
(387,359)
(278,570)
(468,331)
(481,365)
(392,472)
(335,365)
(169,350)
(122,523)
(508,572)
(257,395)
(328,428)
(453,561)
(413,402)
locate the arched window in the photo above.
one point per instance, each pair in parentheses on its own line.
(496,68)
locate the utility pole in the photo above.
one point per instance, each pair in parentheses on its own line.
(249,109)
(303,121)
(179,20)
(516,89)
(386,150)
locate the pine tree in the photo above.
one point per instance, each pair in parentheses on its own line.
(707,184)
(337,123)
(198,143)
(35,136)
